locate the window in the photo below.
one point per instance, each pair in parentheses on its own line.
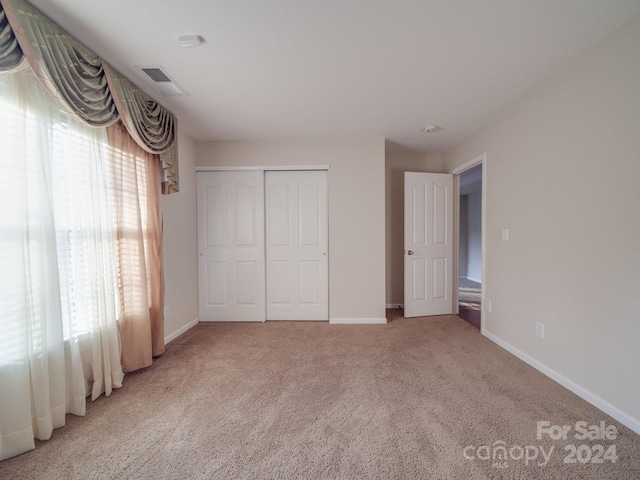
(81,253)
(68,162)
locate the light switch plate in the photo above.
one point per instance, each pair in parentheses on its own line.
(540,329)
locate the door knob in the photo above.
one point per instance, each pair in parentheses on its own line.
(410,252)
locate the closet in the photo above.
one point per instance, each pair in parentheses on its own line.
(262,245)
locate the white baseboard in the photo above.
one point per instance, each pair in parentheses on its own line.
(477,280)
(180,331)
(593,399)
(357,321)
(395,305)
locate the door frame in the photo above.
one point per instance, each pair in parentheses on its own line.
(207,168)
(474,162)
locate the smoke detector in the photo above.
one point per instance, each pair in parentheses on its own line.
(187,41)
(163,81)
(430,129)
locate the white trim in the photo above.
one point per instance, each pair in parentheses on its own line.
(483,238)
(592,398)
(180,331)
(357,321)
(470,164)
(455,294)
(206,168)
(395,305)
(473,279)
(241,320)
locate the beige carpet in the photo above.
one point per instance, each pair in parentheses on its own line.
(313,400)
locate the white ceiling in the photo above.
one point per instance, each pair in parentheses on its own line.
(332,69)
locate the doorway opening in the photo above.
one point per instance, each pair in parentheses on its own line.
(470,246)
(470,198)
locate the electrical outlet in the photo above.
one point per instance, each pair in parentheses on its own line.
(505,234)
(540,329)
(487,305)
(166,311)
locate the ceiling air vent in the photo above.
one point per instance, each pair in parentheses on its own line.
(162,80)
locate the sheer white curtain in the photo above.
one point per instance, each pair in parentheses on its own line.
(58,330)
(85,235)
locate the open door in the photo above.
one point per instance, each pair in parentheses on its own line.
(428,244)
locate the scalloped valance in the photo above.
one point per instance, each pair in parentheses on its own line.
(85,85)
(10,52)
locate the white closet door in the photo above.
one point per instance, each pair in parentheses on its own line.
(231,276)
(297,241)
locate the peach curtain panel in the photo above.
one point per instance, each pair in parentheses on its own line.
(140,280)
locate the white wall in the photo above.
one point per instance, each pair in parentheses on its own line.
(395,165)
(180,245)
(563,174)
(474,236)
(356,212)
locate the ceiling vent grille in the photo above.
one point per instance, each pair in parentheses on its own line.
(156,74)
(163,81)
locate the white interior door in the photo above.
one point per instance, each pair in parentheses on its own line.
(231,275)
(297,241)
(428,243)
